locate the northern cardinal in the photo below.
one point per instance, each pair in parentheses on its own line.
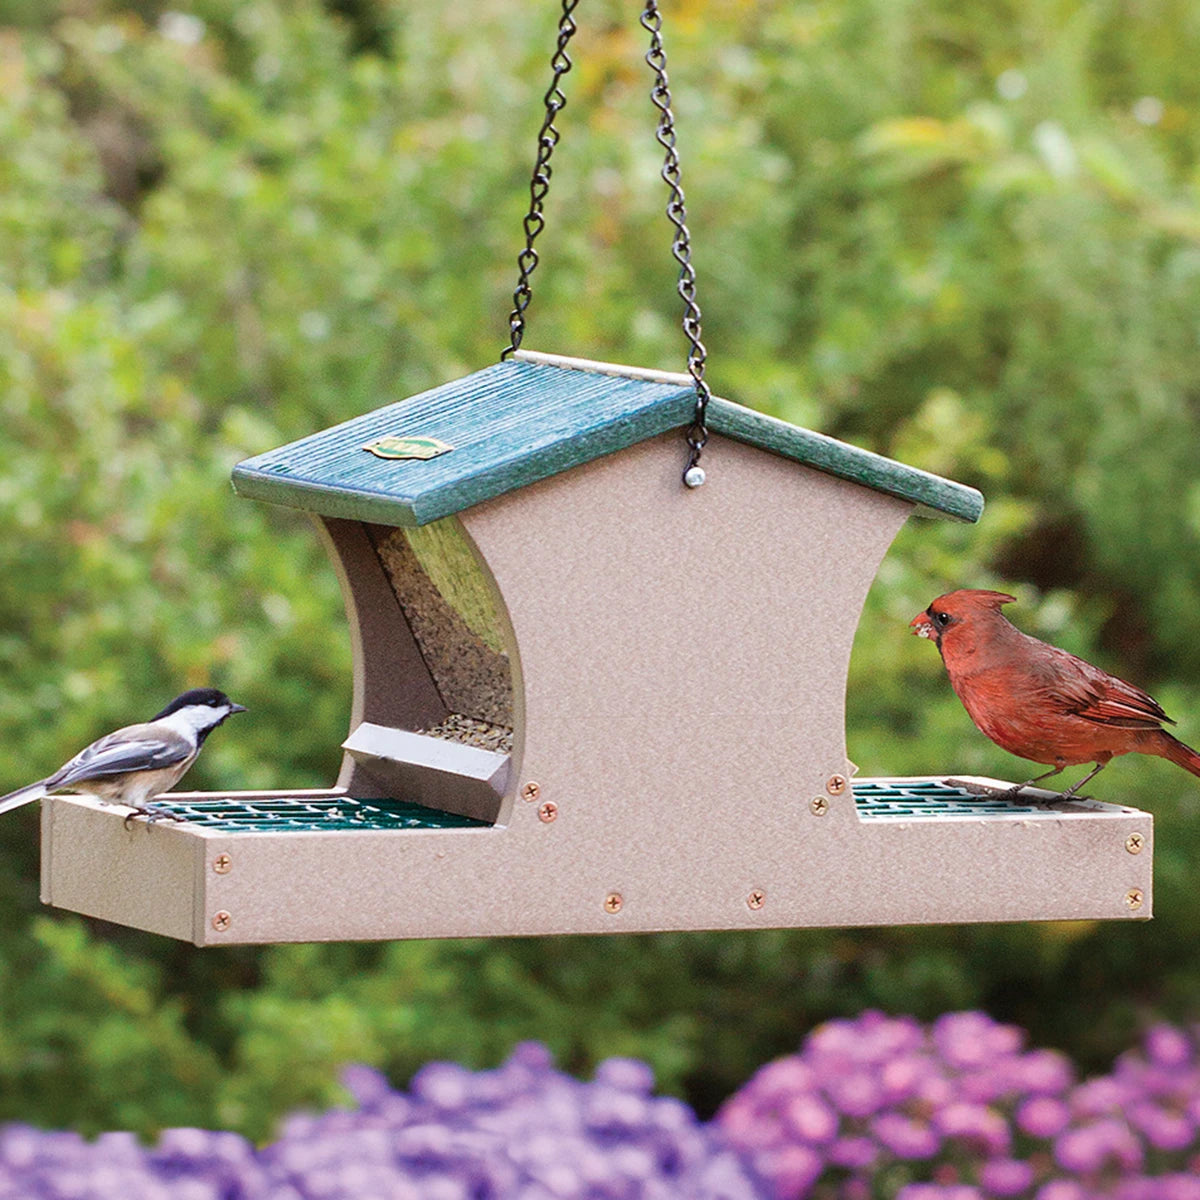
(1037,701)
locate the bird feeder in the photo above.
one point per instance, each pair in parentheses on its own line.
(587,699)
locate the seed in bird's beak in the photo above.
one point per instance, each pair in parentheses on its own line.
(921,625)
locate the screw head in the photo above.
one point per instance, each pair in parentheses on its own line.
(531,791)
(819,806)
(222,864)
(694,477)
(613,902)
(1134,898)
(548,812)
(756,899)
(221,921)
(836,785)
(1135,843)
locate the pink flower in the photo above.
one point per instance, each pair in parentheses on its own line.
(904,1137)
(1006,1177)
(810,1119)
(1043,1117)
(1167,1046)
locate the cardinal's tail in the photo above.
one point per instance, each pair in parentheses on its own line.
(1181,755)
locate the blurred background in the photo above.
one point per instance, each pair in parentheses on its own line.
(966,235)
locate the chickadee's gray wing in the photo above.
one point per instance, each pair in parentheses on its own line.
(135,748)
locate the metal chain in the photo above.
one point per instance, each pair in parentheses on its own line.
(660,95)
(539,184)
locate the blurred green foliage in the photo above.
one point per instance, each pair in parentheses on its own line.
(963,234)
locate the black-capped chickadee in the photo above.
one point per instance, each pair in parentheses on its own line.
(131,766)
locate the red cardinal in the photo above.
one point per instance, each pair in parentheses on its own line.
(1039,702)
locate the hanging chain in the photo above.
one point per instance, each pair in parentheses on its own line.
(539,184)
(660,95)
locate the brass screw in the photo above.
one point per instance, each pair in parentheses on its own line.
(757,898)
(221,921)
(836,785)
(613,902)
(548,811)
(1135,842)
(531,791)
(222,864)
(819,806)
(1134,898)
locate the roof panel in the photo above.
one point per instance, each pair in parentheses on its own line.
(531,417)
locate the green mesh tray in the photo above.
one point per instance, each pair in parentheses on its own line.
(309,814)
(894,799)
(909,798)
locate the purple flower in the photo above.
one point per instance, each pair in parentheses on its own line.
(792,1170)
(1097,1097)
(1041,1073)
(1063,1189)
(1006,1177)
(853,1153)
(810,1119)
(981,1127)
(1043,1117)
(972,1039)
(905,1137)
(1162,1128)
(939,1191)
(1167,1046)
(1088,1148)
(857,1094)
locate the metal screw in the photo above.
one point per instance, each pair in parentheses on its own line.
(757,898)
(613,902)
(836,785)
(222,864)
(1135,842)
(531,791)
(1134,898)
(548,811)
(221,921)
(819,806)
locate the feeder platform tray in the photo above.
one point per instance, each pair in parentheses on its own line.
(313,866)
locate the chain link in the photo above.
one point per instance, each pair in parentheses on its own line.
(539,184)
(660,96)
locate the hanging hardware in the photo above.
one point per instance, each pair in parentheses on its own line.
(681,247)
(539,184)
(660,96)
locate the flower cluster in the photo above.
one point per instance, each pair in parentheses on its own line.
(960,1110)
(876,1108)
(521,1132)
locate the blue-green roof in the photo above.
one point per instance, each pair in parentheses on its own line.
(528,418)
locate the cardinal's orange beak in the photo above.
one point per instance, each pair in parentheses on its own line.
(921,625)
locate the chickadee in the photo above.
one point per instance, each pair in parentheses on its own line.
(133,765)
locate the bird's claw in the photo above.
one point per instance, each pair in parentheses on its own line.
(152,813)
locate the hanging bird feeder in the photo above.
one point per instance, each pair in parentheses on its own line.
(588,698)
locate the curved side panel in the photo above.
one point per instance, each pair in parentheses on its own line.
(392,685)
